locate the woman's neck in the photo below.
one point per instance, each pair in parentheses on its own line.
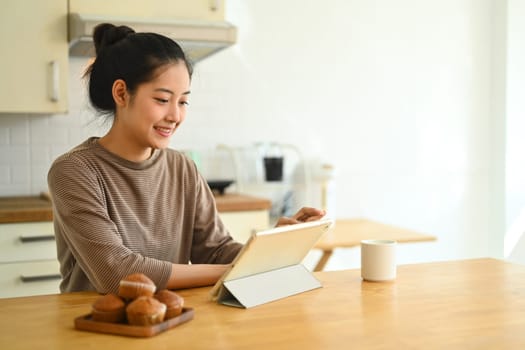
(123,149)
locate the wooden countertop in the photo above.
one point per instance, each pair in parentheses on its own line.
(38,208)
(25,209)
(240,202)
(468,304)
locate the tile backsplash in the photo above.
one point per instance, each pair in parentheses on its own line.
(30,142)
(28,145)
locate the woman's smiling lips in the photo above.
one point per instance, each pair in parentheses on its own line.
(166,132)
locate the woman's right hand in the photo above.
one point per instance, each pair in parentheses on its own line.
(305,214)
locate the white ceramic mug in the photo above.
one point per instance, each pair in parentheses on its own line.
(378,260)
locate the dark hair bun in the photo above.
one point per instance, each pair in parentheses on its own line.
(121,53)
(106,34)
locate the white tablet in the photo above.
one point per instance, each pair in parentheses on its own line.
(274,249)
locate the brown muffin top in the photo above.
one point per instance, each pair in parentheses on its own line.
(171,299)
(138,277)
(108,302)
(138,280)
(146,306)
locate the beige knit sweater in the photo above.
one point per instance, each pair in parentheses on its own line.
(113,217)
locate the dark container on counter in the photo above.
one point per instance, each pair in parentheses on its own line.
(273,168)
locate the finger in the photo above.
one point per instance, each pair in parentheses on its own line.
(283,221)
(314,218)
(306,212)
(311,216)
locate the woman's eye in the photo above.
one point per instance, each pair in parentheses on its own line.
(185,103)
(161,100)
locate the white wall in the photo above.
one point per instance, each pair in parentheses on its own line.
(397,94)
(515,142)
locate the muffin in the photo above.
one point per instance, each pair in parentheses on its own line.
(173,301)
(145,311)
(109,308)
(136,285)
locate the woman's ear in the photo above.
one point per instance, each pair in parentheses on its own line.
(120,92)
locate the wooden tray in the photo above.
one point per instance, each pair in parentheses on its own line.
(86,323)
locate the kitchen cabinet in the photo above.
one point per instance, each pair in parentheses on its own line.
(241,224)
(210,10)
(34,69)
(242,214)
(28,263)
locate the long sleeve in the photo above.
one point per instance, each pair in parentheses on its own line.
(88,240)
(212,244)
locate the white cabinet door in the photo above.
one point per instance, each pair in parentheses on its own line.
(34,63)
(29,278)
(28,259)
(241,224)
(154,9)
(27,241)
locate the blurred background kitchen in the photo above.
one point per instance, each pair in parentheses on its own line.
(408,112)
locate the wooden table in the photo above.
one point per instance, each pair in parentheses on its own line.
(470,304)
(348,233)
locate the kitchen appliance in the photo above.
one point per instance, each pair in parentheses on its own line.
(288,185)
(199,39)
(219,186)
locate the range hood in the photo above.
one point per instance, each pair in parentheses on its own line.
(199,39)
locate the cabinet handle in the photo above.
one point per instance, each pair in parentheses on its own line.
(54,81)
(40,278)
(214,5)
(30,239)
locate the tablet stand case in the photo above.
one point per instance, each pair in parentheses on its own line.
(262,274)
(267,286)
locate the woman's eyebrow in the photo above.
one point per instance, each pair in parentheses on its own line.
(165,90)
(171,92)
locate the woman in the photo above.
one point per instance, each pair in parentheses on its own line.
(126,203)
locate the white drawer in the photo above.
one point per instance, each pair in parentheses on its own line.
(29,278)
(27,241)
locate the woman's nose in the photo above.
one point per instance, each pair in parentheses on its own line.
(174,114)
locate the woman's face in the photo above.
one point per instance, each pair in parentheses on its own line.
(157,108)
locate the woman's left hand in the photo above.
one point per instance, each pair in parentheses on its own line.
(305,214)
